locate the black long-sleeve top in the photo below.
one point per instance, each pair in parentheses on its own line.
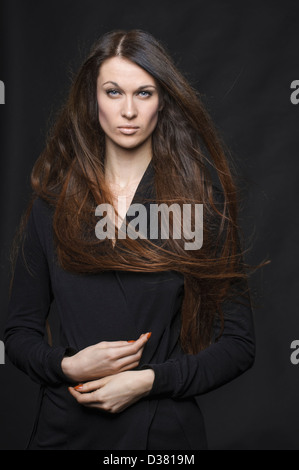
(112,306)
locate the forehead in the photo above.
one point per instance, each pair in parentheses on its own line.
(124,72)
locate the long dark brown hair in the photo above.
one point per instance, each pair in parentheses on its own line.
(189,162)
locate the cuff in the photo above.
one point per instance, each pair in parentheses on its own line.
(165,378)
(54,360)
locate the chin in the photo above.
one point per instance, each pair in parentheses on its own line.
(131,145)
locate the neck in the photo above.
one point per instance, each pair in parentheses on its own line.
(125,167)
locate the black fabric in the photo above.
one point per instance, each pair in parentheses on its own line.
(167,432)
(114,306)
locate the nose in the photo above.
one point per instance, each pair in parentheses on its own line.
(129,110)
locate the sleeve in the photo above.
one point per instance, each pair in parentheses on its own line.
(218,364)
(29,304)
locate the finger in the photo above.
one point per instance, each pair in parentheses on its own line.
(130,357)
(112,344)
(117,344)
(91,386)
(132,348)
(83,398)
(89,400)
(127,354)
(135,345)
(128,362)
(129,366)
(140,341)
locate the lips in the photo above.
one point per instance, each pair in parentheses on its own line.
(128,129)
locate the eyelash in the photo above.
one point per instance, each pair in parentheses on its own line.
(113,91)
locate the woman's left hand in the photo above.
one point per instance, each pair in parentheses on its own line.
(116,392)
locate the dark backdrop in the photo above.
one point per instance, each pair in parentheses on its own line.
(243,57)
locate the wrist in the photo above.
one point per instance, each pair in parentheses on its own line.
(67,366)
(147,377)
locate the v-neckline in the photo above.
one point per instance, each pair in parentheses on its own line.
(144,179)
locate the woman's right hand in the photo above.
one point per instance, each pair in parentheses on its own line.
(103,359)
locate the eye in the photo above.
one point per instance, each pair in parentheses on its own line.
(112,92)
(145,94)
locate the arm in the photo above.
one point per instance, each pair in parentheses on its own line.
(104,359)
(116,392)
(29,305)
(218,364)
(185,376)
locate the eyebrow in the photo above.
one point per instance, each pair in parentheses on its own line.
(139,88)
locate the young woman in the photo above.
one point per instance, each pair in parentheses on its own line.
(146,324)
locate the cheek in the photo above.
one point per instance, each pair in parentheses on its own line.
(105,114)
(152,116)
(103,118)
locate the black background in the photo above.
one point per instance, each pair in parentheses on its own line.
(242,57)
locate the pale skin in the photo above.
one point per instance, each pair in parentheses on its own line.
(129,104)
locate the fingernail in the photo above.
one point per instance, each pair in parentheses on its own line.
(149,335)
(131,341)
(78,387)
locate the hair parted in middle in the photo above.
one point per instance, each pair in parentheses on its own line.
(187,157)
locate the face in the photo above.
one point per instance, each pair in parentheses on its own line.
(128,103)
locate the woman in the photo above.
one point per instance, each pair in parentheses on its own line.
(146,325)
